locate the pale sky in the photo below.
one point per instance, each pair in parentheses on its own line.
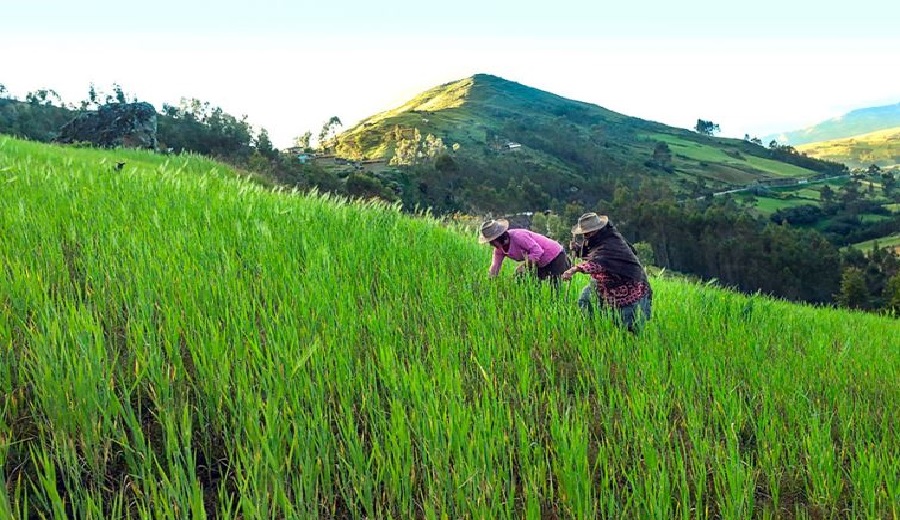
(289,65)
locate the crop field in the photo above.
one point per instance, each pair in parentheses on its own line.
(179,342)
(892,241)
(871,217)
(768,205)
(810,194)
(752,166)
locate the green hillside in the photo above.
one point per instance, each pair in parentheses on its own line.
(856,122)
(498,134)
(881,148)
(178,342)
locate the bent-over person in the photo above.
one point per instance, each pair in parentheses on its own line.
(541,255)
(617,276)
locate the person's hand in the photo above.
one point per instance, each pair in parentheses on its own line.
(567,274)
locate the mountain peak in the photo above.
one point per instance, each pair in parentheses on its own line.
(471,111)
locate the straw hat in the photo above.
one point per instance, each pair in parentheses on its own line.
(492,229)
(590,222)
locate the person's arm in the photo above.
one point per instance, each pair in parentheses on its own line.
(568,273)
(496,262)
(587,267)
(590,267)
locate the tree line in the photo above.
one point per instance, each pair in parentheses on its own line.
(716,239)
(190,126)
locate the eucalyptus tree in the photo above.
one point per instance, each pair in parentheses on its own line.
(329,130)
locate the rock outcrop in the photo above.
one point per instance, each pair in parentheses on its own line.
(130,125)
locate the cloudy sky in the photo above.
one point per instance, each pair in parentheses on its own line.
(756,67)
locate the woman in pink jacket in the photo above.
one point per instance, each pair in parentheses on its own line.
(540,254)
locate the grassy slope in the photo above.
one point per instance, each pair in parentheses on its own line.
(173,339)
(464,112)
(468,110)
(712,160)
(860,151)
(892,241)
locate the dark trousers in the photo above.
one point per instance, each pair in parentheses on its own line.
(554,269)
(631,316)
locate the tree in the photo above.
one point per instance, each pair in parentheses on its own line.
(302,141)
(539,224)
(329,129)
(407,150)
(854,292)
(120,95)
(198,127)
(892,294)
(93,97)
(434,147)
(850,197)
(706,127)
(445,164)
(644,253)
(42,97)
(550,225)
(322,179)
(263,145)
(754,140)
(888,183)
(365,186)
(662,156)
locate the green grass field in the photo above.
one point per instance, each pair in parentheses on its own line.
(178,342)
(810,194)
(871,217)
(752,166)
(768,205)
(889,241)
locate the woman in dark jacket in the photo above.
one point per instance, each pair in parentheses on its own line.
(617,275)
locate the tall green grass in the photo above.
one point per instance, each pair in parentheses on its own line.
(177,342)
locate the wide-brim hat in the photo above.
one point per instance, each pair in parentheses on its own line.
(492,229)
(590,222)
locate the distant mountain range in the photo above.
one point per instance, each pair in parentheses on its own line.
(857,122)
(881,148)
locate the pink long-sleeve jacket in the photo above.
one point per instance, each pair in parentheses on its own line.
(526,244)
